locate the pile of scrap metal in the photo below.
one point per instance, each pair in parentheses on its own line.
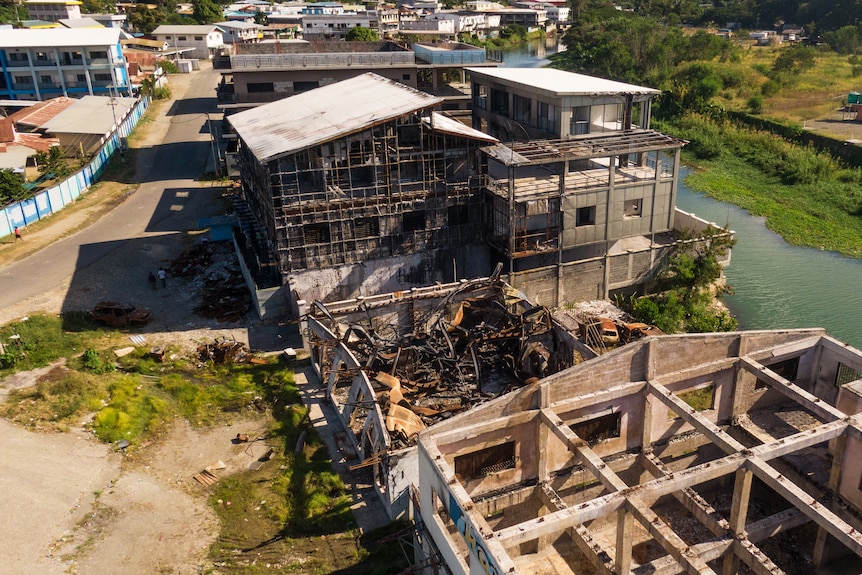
(223,350)
(481,340)
(216,279)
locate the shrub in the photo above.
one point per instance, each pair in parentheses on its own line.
(168,67)
(755,104)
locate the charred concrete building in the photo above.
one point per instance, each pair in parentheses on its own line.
(359,188)
(709,453)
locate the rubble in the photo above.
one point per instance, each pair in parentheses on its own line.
(224,350)
(214,273)
(479,342)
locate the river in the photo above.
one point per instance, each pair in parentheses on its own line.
(776,285)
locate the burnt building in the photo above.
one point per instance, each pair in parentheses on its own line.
(359,188)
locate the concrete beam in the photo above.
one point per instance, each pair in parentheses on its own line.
(480,429)
(606,504)
(700,370)
(667,565)
(696,420)
(669,540)
(784,351)
(689,498)
(834,525)
(770,526)
(756,560)
(577,445)
(715,548)
(807,400)
(599,396)
(594,553)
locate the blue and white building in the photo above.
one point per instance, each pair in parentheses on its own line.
(43,64)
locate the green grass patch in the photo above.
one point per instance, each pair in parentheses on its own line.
(806,196)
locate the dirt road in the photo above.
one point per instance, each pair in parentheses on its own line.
(73,505)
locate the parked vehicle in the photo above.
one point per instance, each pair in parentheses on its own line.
(637,330)
(117,314)
(601,331)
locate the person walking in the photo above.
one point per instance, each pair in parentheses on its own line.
(18,234)
(162,276)
(152,279)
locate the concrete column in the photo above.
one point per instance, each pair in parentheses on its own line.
(738,513)
(824,541)
(623,558)
(738,374)
(564,169)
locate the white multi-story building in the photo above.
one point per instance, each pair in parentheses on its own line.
(468,21)
(53,10)
(238,32)
(194,41)
(42,64)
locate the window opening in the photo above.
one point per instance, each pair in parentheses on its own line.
(485,461)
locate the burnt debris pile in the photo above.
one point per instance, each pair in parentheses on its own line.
(479,342)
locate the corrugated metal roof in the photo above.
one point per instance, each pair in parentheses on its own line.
(560,82)
(90,115)
(59,37)
(183,29)
(79,23)
(321,115)
(34,116)
(440,123)
(239,25)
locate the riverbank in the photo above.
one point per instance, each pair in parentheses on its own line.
(805,196)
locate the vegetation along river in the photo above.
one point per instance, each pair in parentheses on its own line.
(776,285)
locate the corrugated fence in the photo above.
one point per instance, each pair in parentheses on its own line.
(57,197)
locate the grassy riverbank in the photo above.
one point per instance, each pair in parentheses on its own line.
(806,196)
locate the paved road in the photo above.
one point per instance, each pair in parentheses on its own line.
(167,172)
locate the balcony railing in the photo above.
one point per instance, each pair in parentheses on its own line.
(17,64)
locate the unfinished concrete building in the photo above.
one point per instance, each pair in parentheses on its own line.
(259,73)
(359,188)
(709,453)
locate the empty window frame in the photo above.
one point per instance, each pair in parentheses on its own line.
(103,77)
(700,399)
(586,216)
(546,117)
(580,123)
(521,109)
(633,208)
(787,369)
(499,102)
(480,96)
(458,215)
(366,227)
(486,461)
(316,233)
(305,86)
(845,375)
(260,87)
(599,428)
(414,221)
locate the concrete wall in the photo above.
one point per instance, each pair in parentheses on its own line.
(396,273)
(283,80)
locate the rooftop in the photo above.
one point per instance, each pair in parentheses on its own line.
(184,29)
(239,25)
(326,113)
(90,115)
(34,116)
(560,83)
(59,37)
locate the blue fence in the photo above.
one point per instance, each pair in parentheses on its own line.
(55,198)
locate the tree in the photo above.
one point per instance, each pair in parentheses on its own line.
(143,19)
(361,34)
(11,187)
(98,7)
(206,12)
(261,18)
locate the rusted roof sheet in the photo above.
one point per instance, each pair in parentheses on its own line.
(7,131)
(35,116)
(326,113)
(600,146)
(440,123)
